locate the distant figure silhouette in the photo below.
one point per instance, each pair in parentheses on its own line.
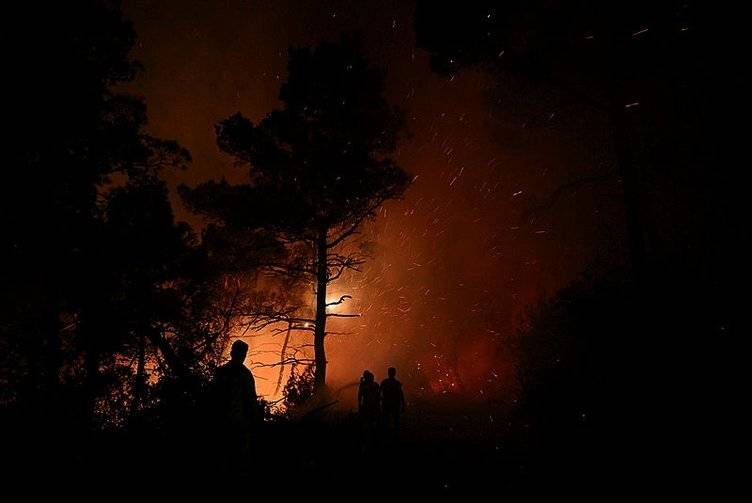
(368,397)
(392,400)
(368,407)
(237,405)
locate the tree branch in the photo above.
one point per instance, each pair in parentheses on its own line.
(340,301)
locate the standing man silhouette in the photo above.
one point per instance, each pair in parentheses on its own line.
(368,409)
(237,405)
(392,400)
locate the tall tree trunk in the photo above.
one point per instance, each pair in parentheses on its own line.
(282,354)
(171,357)
(322,278)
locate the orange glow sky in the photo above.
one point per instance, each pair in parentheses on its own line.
(458,261)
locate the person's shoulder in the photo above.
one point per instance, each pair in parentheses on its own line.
(230,369)
(245,373)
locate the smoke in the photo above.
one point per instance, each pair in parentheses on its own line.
(455,265)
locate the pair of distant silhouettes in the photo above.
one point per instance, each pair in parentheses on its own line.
(386,401)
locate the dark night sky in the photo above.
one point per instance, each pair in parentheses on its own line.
(461,258)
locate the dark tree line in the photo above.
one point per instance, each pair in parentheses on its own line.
(612,361)
(112,314)
(81,181)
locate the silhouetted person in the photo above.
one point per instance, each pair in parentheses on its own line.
(392,400)
(237,405)
(368,406)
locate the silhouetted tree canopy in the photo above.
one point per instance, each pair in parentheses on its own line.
(318,166)
(90,239)
(322,159)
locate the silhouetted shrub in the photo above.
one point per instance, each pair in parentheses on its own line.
(299,388)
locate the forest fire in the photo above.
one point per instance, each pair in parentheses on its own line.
(437,245)
(452,265)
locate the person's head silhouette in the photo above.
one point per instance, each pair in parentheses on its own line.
(392,372)
(367,376)
(239,351)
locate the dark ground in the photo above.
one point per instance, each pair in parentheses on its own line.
(444,447)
